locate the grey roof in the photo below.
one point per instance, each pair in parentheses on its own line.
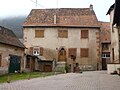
(8,37)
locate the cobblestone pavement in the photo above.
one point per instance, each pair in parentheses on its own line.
(92,80)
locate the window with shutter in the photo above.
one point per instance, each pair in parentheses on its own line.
(63,33)
(39,33)
(84,52)
(72,51)
(84,34)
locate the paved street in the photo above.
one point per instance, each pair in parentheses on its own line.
(93,80)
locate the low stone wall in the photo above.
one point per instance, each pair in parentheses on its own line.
(112,67)
(3,70)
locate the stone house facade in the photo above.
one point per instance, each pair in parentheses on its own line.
(10,46)
(59,34)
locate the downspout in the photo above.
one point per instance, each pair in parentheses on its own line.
(112,47)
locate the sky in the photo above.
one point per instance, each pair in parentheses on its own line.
(14,8)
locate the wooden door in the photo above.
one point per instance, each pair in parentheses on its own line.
(104,64)
(32,64)
(62,55)
(14,64)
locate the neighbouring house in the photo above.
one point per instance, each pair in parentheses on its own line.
(11,52)
(114,12)
(105,44)
(114,35)
(62,34)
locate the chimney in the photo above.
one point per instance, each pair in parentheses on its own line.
(55,19)
(91,7)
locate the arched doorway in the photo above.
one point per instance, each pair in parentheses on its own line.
(62,55)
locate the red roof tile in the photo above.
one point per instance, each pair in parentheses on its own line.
(105,32)
(75,17)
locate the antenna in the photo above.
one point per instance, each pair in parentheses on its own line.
(36,3)
(57,3)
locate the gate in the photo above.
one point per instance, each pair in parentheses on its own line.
(14,63)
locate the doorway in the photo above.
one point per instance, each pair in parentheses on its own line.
(14,63)
(62,55)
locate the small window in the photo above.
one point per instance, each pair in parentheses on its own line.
(36,51)
(105,46)
(84,52)
(106,55)
(63,33)
(39,33)
(84,34)
(72,51)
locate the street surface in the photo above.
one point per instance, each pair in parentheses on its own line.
(92,80)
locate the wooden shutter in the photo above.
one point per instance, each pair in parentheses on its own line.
(84,52)
(41,51)
(31,50)
(63,33)
(84,34)
(72,51)
(39,33)
(113,57)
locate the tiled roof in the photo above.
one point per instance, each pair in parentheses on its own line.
(8,37)
(74,17)
(105,32)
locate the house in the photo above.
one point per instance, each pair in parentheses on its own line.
(106,44)
(62,33)
(115,36)
(11,52)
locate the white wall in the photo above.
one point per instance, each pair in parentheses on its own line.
(112,67)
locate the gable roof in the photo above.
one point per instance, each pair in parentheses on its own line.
(110,9)
(69,17)
(105,32)
(8,37)
(116,19)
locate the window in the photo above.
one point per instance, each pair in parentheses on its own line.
(39,33)
(105,47)
(0,59)
(36,50)
(84,52)
(84,34)
(105,55)
(72,51)
(62,33)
